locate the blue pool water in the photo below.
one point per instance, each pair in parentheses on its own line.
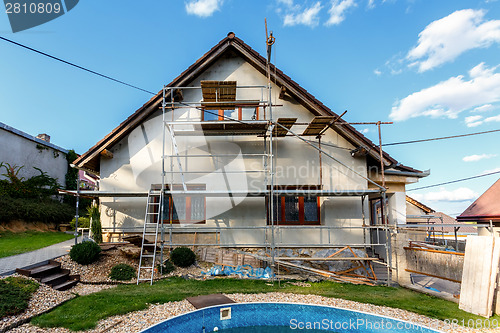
(283,317)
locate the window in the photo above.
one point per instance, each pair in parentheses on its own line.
(376,211)
(184,209)
(295,210)
(239,113)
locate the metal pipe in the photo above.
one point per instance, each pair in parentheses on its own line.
(333,158)
(381,153)
(77,207)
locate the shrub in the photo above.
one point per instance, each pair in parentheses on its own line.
(83,222)
(85,253)
(47,211)
(15,293)
(166,268)
(182,257)
(95,215)
(122,272)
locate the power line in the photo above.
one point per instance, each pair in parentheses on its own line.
(77,66)
(441,138)
(454,181)
(101,75)
(152,93)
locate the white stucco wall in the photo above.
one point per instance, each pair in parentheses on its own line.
(18,150)
(136,164)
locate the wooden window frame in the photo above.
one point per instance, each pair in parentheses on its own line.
(282,218)
(221,114)
(170,202)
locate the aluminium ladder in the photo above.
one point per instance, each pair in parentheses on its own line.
(151,220)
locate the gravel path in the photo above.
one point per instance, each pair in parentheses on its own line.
(139,320)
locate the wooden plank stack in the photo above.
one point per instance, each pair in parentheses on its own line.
(482,255)
(228,258)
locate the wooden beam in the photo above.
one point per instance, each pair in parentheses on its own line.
(282,92)
(432,275)
(328,259)
(106,154)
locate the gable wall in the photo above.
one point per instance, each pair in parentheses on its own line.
(137,163)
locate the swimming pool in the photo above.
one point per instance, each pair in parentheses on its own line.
(282,317)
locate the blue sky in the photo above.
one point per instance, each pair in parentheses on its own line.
(432,67)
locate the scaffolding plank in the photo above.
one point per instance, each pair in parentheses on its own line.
(215,92)
(286,122)
(317,125)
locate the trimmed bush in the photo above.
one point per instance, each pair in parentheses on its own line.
(83,222)
(166,268)
(15,292)
(95,215)
(122,272)
(182,257)
(85,253)
(29,210)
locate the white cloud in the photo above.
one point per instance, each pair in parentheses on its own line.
(458,195)
(371,3)
(377,72)
(475,158)
(492,119)
(484,108)
(308,17)
(449,98)
(473,121)
(490,171)
(337,11)
(365,130)
(203,8)
(445,39)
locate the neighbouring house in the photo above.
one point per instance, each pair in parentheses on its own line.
(224,150)
(485,210)
(439,227)
(21,149)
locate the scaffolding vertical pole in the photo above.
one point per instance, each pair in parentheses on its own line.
(269,43)
(171,187)
(388,237)
(162,242)
(364,220)
(77,207)
(271,195)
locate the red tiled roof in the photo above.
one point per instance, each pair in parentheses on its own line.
(91,158)
(485,208)
(466,229)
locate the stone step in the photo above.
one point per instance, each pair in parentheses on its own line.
(56,278)
(44,270)
(65,285)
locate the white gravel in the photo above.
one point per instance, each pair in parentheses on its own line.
(43,299)
(139,320)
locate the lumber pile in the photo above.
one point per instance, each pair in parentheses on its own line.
(228,258)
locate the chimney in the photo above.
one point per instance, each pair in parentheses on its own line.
(44,137)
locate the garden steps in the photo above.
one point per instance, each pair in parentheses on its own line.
(379,269)
(52,275)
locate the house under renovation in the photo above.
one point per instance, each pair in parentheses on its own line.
(234,153)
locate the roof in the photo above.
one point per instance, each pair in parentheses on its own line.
(446,219)
(31,138)
(91,158)
(420,205)
(485,208)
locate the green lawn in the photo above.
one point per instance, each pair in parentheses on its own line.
(14,243)
(84,312)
